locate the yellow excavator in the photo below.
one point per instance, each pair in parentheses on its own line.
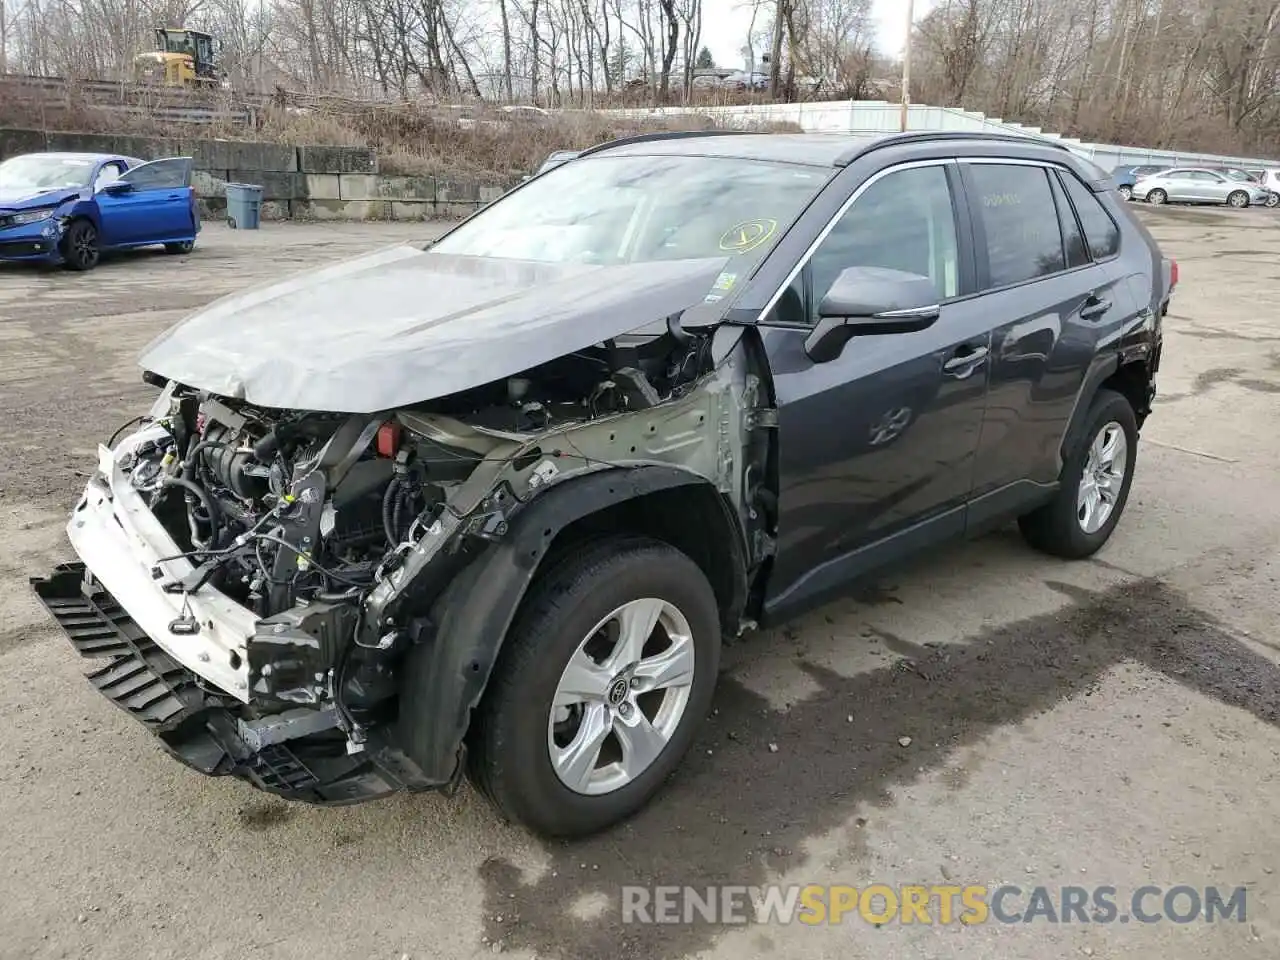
(182,58)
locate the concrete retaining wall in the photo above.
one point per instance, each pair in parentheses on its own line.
(304,182)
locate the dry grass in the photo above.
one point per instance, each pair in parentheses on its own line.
(498,147)
(476,142)
(473,141)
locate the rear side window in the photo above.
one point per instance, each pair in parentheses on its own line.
(1101,234)
(1019,220)
(1072,238)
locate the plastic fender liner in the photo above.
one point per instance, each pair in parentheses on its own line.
(445,674)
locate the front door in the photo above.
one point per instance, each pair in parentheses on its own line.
(1206,187)
(151,203)
(877,446)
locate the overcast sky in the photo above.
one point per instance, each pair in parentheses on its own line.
(725,24)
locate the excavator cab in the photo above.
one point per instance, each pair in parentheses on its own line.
(182,57)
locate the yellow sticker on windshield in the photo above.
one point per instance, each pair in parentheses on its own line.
(746,236)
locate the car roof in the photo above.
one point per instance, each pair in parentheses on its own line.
(68,155)
(811,149)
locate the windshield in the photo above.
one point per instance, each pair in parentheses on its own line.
(613,210)
(1237,175)
(34,174)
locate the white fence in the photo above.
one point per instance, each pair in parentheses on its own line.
(878,116)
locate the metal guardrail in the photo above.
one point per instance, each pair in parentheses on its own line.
(168,104)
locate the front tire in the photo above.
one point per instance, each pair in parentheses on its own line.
(1126,192)
(80,246)
(604,678)
(1157,197)
(1238,199)
(1094,486)
(185,246)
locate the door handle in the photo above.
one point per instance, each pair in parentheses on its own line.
(963,364)
(174,196)
(1094,307)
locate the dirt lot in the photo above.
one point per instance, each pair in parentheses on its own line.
(1107,722)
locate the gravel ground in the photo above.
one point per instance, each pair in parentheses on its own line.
(989,716)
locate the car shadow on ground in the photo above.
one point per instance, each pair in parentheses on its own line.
(109,259)
(738,813)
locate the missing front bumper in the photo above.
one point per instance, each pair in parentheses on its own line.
(199,725)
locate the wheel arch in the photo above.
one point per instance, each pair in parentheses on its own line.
(1129,378)
(447,671)
(82,209)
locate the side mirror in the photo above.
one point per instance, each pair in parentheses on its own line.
(867,301)
(117,187)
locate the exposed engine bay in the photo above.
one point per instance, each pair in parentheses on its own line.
(227,478)
(337,531)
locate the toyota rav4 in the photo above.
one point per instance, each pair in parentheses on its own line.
(491,506)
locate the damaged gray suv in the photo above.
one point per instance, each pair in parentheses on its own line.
(492,506)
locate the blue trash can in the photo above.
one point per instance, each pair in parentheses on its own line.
(244,206)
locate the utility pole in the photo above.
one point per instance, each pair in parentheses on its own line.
(906,66)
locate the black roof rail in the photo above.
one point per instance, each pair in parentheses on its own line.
(928,136)
(662,135)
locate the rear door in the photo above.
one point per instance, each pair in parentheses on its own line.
(1048,292)
(150,203)
(1180,185)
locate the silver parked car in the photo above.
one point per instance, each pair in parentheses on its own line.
(1199,185)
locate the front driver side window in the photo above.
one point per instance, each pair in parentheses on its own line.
(108,173)
(903,221)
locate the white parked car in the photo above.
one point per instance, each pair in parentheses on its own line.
(1269,178)
(1199,185)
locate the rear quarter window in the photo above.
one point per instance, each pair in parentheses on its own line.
(1101,235)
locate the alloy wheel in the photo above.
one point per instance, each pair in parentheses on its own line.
(1157,197)
(1102,478)
(621,697)
(1238,199)
(84,245)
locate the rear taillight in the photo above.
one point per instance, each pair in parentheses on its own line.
(1173,274)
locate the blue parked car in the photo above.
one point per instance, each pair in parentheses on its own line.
(69,207)
(1126,176)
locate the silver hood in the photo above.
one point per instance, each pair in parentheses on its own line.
(402,325)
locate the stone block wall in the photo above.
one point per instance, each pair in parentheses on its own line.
(303,182)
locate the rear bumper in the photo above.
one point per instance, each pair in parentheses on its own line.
(197,724)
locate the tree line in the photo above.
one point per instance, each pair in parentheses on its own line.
(550,52)
(1186,74)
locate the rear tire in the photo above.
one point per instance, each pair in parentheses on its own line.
(1157,197)
(186,246)
(80,250)
(1238,199)
(1059,527)
(566,618)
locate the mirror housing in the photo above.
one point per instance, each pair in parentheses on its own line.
(116,187)
(869,301)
